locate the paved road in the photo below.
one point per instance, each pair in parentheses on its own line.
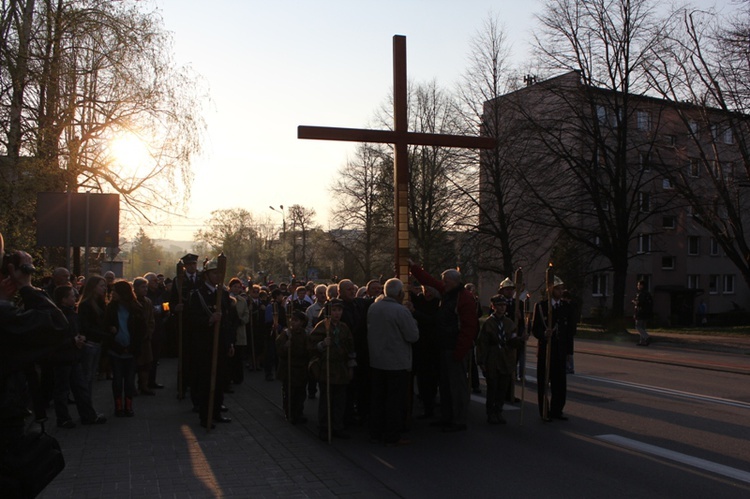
(162,452)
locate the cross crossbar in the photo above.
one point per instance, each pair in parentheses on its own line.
(401,138)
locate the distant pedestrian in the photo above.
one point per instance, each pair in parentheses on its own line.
(644,310)
(702,315)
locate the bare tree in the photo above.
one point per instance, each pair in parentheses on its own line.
(235,232)
(705,66)
(588,175)
(493,210)
(303,221)
(99,71)
(362,210)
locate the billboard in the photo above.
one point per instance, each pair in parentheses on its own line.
(59,214)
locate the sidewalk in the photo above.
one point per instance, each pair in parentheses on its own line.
(163,452)
(727,353)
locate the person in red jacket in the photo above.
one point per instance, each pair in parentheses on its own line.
(457,327)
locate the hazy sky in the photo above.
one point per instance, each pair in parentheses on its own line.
(272,65)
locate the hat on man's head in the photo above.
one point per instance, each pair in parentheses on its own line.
(212,264)
(190,258)
(558,282)
(506,283)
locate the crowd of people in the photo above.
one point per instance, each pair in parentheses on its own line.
(360,351)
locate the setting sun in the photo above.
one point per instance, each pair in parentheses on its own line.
(130,154)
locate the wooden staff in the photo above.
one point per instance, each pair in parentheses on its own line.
(529,322)
(252,333)
(289,362)
(180,278)
(518,277)
(275,326)
(328,372)
(221,270)
(550,279)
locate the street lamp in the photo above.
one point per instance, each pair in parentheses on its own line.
(283,228)
(283,218)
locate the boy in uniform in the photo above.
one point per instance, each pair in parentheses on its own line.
(332,361)
(496,356)
(294,339)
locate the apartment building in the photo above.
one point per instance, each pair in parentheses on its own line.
(631,177)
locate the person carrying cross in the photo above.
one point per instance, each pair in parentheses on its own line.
(457,326)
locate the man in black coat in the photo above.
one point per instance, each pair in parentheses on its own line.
(178,297)
(556,333)
(202,315)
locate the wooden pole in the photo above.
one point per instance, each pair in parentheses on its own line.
(221,270)
(252,333)
(529,317)
(328,376)
(289,363)
(517,315)
(550,280)
(180,278)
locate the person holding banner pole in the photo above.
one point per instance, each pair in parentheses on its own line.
(213,342)
(553,324)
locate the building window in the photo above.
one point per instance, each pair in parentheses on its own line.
(728,284)
(694,168)
(694,245)
(715,131)
(644,120)
(693,281)
(644,243)
(599,285)
(713,284)
(668,262)
(669,222)
(728,136)
(644,202)
(667,184)
(670,140)
(714,247)
(644,161)
(694,128)
(601,114)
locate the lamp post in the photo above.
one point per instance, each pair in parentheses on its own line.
(283,229)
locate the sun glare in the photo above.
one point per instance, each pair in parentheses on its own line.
(130,154)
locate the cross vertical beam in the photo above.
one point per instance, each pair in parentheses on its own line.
(401,160)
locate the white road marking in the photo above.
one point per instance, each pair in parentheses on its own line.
(695,462)
(668,391)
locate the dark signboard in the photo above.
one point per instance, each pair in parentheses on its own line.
(60,213)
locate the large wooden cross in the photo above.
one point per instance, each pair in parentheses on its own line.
(401,138)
